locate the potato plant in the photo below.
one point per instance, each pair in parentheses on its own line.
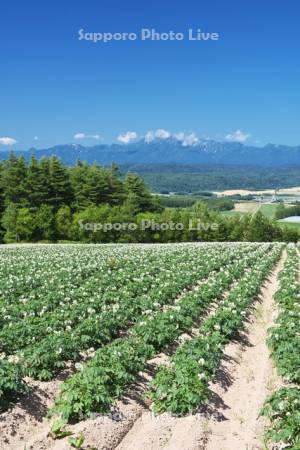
(79,394)
(282,408)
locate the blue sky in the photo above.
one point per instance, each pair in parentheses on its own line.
(53,86)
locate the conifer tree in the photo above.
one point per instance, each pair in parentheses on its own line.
(9,223)
(14,180)
(37,184)
(78,176)
(138,194)
(2,198)
(60,186)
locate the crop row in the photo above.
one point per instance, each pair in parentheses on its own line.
(282,408)
(96,323)
(117,309)
(106,376)
(81,271)
(184,385)
(112,289)
(38,269)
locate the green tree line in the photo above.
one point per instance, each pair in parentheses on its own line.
(283,211)
(44,200)
(39,200)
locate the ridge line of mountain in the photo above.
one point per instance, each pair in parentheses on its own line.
(170,151)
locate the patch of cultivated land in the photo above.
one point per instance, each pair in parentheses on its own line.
(288,191)
(247,207)
(238,389)
(244,380)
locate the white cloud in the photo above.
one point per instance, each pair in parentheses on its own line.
(86,136)
(187,139)
(79,136)
(7,141)
(162,134)
(237,136)
(127,137)
(157,134)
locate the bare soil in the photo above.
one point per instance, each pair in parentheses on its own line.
(244,380)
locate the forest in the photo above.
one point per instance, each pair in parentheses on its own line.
(188,177)
(46,201)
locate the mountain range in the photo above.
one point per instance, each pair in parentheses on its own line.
(171,151)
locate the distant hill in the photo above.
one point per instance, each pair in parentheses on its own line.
(205,177)
(168,165)
(172,151)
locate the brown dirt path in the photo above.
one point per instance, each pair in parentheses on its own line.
(236,424)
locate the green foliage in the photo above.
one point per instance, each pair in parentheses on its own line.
(178,392)
(77,442)
(95,388)
(44,223)
(105,377)
(138,196)
(61,192)
(10,381)
(58,430)
(46,201)
(44,337)
(183,386)
(191,178)
(187,201)
(283,211)
(283,339)
(42,198)
(37,183)
(283,411)
(63,222)
(178,201)
(283,407)
(9,223)
(24,225)
(13,181)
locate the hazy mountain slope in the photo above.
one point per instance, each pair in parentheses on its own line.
(171,150)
